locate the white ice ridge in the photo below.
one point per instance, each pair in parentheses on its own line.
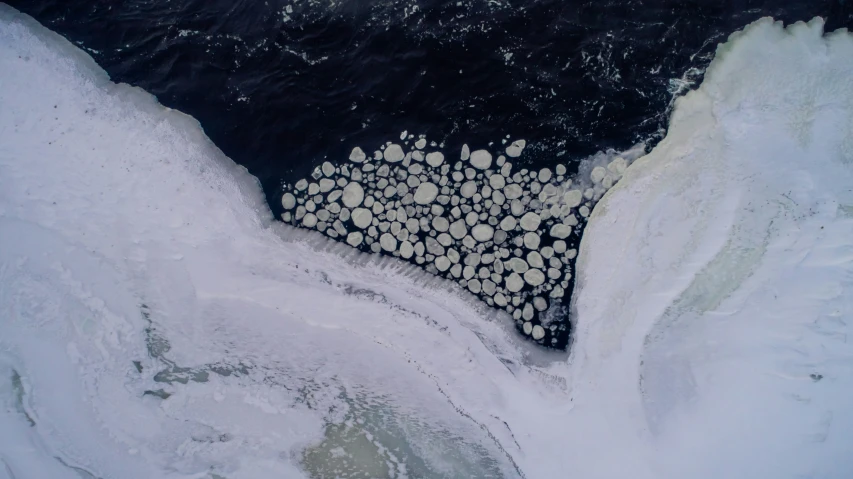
(156,324)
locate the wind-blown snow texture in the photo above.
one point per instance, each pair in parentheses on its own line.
(157,323)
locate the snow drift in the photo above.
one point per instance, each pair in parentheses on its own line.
(157,323)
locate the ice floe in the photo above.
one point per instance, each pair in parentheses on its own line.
(467,208)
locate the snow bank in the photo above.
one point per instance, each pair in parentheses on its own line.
(715,279)
(161,327)
(156,323)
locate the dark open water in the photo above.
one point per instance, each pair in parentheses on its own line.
(282,86)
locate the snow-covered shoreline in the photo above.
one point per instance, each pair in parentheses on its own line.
(159,324)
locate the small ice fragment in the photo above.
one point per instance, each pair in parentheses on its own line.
(435,159)
(482,232)
(362,217)
(357,155)
(309,220)
(514,150)
(530,221)
(354,239)
(534,277)
(572,198)
(388,242)
(481,159)
(426,193)
(353,195)
(561,231)
(394,153)
(514,283)
(597,174)
(458,229)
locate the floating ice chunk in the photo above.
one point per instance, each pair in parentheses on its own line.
(388,242)
(531,240)
(482,232)
(534,277)
(288,201)
(538,332)
(481,159)
(426,193)
(434,247)
(466,153)
(597,174)
(473,259)
(618,166)
(513,191)
(421,143)
(544,175)
(355,238)
(518,265)
(534,259)
(458,229)
(442,263)
(500,300)
(540,303)
(514,283)
(362,217)
(328,168)
(561,231)
(435,159)
(468,189)
(468,272)
(301,184)
(413,225)
(489,287)
(309,220)
(357,155)
(406,249)
(497,181)
(394,153)
(530,221)
(527,312)
(514,150)
(471,218)
(508,223)
(326,185)
(573,198)
(440,224)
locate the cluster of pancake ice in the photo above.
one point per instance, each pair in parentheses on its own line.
(509,236)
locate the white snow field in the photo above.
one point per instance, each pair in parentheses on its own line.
(156,323)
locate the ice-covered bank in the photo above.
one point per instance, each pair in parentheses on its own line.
(156,324)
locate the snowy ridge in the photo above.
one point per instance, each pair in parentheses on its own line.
(156,323)
(717,274)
